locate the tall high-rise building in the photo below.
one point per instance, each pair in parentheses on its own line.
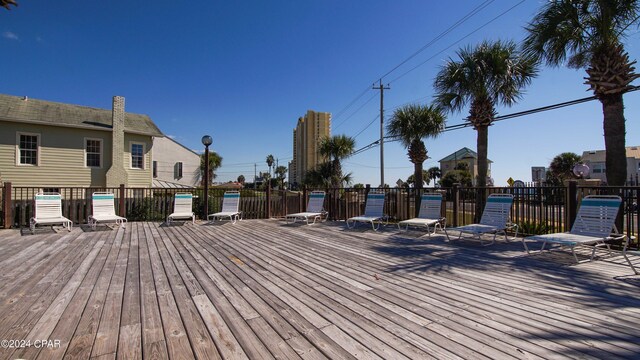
(306,141)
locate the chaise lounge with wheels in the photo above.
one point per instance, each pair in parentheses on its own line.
(429,215)
(594,226)
(230,205)
(315,209)
(373,211)
(182,208)
(494,220)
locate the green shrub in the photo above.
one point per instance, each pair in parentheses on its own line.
(533,228)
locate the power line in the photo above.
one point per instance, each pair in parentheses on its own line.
(456,42)
(462,20)
(355,112)
(341,112)
(366,127)
(498,118)
(468,16)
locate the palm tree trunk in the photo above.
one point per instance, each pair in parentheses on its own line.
(482,147)
(417,175)
(614,139)
(483,165)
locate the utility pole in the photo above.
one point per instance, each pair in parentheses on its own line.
(382,88)
(255,175)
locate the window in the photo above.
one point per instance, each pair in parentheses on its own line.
(598,169)
(137,156)
(28,147)
(178,170)
(155,169)
(93,152)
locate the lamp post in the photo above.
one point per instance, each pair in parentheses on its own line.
(206,141)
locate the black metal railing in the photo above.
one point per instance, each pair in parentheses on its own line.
(536,209)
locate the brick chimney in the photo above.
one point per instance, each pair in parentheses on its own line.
(117,173)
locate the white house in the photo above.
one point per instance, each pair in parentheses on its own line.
(595,159)
(174,165)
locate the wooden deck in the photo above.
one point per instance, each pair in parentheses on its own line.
(263,289)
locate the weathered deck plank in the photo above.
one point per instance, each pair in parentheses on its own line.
(263,289)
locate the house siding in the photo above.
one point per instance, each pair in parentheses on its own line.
(167,153)
(138,177)
(61,157)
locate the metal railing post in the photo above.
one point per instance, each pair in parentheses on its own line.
(268,201)
(572,204)
(455,196)
(408,202)
(303,203)
(121,201)
(6,206)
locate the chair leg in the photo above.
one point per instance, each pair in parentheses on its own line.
(624,253)
(526,248)
(446,234)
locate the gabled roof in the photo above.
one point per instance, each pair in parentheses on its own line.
(21,109)
(464,153)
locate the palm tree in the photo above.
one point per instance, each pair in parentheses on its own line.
(266,179)
(323,177)
(281,174)
(488,75)
(434,173)
(215,161)
(5,3)
(588,34)
(411,180)
(335,149)
(412,123)
(561,166)
(270,161)
(320,177)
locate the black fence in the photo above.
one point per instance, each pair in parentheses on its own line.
(536,209)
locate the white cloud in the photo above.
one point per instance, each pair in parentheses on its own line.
(171,136)
(9,35)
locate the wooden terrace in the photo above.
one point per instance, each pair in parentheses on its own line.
(263,289)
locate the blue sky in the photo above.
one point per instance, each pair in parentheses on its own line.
(244,72)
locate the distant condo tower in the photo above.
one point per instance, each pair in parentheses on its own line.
(306,141)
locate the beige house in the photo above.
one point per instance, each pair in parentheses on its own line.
(596,160)
(52,145)
(464,155)
(174,165)
(306,139)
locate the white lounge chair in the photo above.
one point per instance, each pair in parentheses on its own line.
(104,210)
(230,205)
(373,211)
(429,215)
(182,208)
(594,225)
(494,220)
(48,211)
(315,209)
